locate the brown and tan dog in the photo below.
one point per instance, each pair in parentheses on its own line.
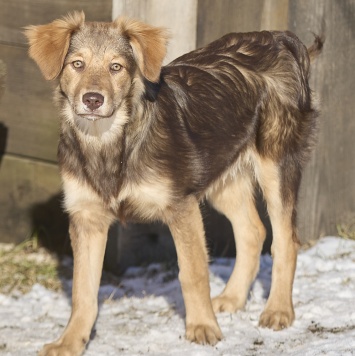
(142,141)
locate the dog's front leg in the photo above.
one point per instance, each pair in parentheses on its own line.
(185,223)
(88,233)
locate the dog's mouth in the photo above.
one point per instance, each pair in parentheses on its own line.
(94,116)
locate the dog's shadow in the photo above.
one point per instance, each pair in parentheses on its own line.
(222,269)
(161,280)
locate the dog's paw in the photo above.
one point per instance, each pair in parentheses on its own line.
(276,319)
(204,334)
(223,303)
(59,349)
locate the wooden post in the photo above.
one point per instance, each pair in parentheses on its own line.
(178,16)
(328,189)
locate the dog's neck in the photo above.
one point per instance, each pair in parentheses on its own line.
(96,152)
(91,159)
(94,128)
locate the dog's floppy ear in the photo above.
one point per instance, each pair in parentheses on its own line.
(49,43)
(148,44)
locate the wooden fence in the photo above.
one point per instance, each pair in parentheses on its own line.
(29,180)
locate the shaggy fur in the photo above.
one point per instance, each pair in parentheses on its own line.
(144,142)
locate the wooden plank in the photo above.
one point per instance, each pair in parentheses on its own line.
(179,17)
(16,14)
(27,109)
(3,128)
(30,200)
(274,15)
(216,18)
(328,190)
(2,78)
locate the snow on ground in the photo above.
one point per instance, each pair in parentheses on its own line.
(144,316)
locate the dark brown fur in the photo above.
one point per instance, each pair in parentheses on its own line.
(209,125)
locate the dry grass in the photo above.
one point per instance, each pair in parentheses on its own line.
(24,265)
(346,229)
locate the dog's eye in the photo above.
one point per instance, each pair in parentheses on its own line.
(78,64)
(115,67)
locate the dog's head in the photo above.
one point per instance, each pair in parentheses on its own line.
(98,64)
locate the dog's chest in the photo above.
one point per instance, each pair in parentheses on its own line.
(146,199)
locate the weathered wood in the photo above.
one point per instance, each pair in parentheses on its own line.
(274,15)
(3,128)
(2,78)
(16,14)
(216,18)
(179,17)
(27,108)
(328,189)
(28,194)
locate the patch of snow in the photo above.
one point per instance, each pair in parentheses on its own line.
(145,314)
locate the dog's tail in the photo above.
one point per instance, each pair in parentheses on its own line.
(317,46)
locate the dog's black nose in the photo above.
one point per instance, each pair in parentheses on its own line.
(93,100)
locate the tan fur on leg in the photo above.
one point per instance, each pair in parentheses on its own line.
(88,232)
(279,313)
(188,233)
(235,200)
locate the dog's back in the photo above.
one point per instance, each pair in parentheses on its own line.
(243,91)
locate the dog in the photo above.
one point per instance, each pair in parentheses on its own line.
(142,141)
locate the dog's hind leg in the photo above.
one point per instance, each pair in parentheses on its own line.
(88,233)
(185,223)
(235,200)
(280,186)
